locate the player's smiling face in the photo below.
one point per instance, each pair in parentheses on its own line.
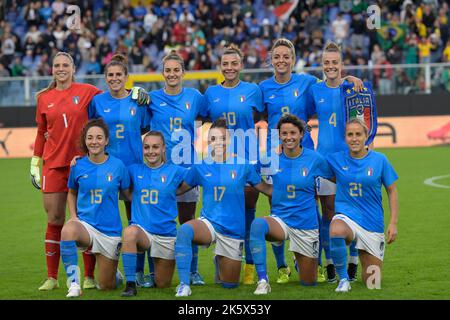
(154,150)
(96,141)
(173,73)
(282,60)
(355,137)
(332,65)
(231,66)
(290,136)
(62,69)
(116,78)
(218,140)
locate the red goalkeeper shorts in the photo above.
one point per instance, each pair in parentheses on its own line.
(55,179)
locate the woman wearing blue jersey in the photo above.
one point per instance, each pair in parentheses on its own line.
(294,209)
(237,101)
(154,209)
(288,93)
(360,174)
(223,177)
(174,110)
(94,184)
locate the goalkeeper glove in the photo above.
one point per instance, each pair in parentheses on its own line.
(35,174)
(140,95)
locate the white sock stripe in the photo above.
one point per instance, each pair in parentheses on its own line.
(52,241)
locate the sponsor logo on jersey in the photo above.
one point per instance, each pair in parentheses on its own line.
(296,93)
(109,177)
(163,179)
(84,176)
(304,172)
(272,97)
(369,172)
(133,111)
(106,110)
(76,99)
(209,174)
(345,168)
(140,177)
(322,100)
(187,105)
(50,105)
(233,174)
(216,100)
(162,104)
(242,98)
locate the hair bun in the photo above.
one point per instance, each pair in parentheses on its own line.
(119,58)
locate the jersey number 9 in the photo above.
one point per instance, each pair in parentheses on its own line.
(149,196)
(291,191)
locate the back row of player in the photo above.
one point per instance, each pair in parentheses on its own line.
(173,108)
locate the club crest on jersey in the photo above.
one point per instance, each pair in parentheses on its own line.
(369,172)
(187,105)
(109,177)
(296,93)
(133,111)
(242,98)
(163,179)
(76,99)
(304,172)
(233,174)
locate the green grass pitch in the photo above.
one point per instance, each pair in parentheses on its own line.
(415,266)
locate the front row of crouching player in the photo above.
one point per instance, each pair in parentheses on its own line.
(96,180)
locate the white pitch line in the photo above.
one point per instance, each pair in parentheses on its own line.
(430,182)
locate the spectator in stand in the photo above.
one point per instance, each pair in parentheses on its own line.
(17,68)
(137,58)
(424,47)
(340,29)
(358,26)
(3,73)
(446,52)
(32,14)
(58,7)
(385,81)
(45,12)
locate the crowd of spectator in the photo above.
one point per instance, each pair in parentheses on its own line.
(31,32)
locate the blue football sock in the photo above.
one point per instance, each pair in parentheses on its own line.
(278,252)
(151,266)
(319,218)
(129,261)
(194,262)
(339,256)
(69,256)
(249,217)
(258,232)
(325,230)
(353,253)
(140,262)
(183,252)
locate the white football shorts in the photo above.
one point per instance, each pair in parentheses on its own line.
(160,246)
(103,244)
(325,187)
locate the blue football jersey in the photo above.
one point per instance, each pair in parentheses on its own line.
(98,188)
(327,103)
(293,197)
(223,194)
(154,204)
(174,116)
(237,105)
(291,97)
(125,119)
(358,183)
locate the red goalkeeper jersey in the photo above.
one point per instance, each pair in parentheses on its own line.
(62,113)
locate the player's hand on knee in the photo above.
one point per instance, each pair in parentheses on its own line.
(140,95)
(35,173)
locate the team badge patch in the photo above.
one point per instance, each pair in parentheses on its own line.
(109,177)
(242,98)
(187,105)
(163,179)
(76,99)
(304,172)
(233,174)
(369,172)
(133,111)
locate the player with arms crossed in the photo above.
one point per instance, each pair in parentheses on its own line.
(236,101)
(360,174)
(288,93)
(174,110)
(223,178)
(294,207)
(94,185)
(154,209)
